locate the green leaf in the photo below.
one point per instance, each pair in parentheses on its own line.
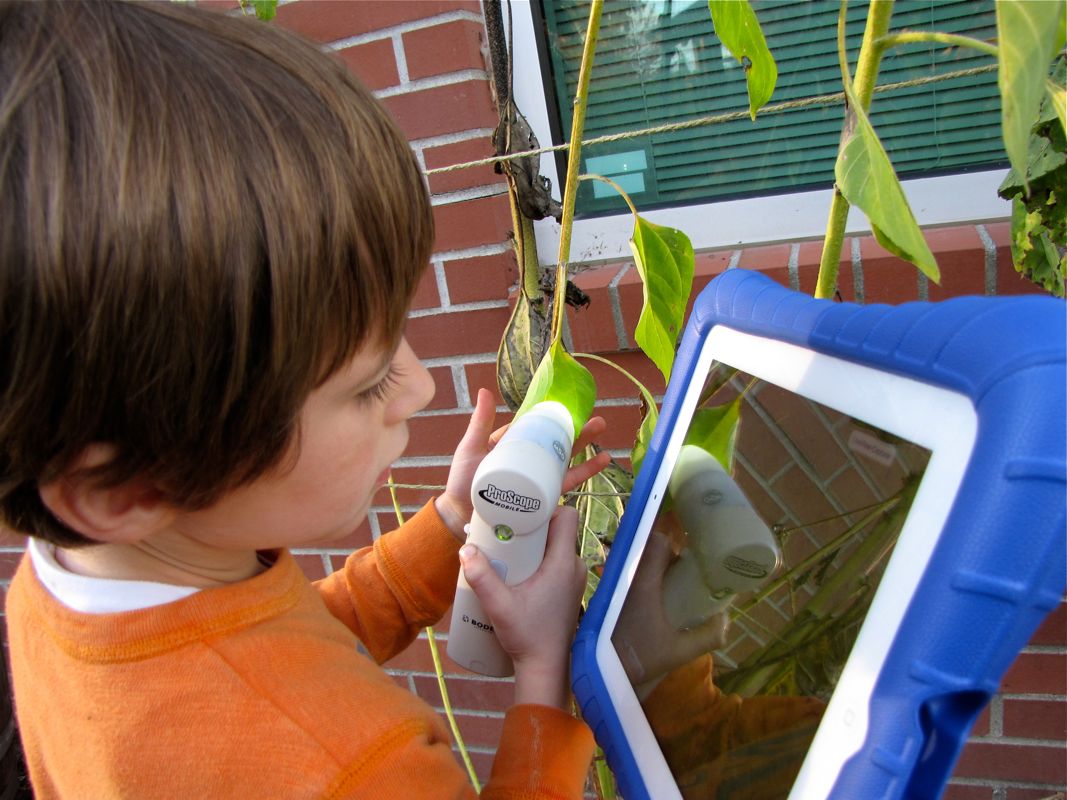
(521,349)
(1027,32)
(715,429)
(867,180)
(664,259)
(559,377)
(737,27)
(1044,161)
(265,9)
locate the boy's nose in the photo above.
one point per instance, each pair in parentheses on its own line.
(426,386)
(418,388)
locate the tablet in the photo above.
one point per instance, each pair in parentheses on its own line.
(871,501)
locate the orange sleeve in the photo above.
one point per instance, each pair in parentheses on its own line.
(713,740)
(403,582)
(543,752)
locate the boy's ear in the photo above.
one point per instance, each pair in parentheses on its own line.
(110,515)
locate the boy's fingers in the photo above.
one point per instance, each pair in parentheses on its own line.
(482,578)
(592,429)
(580,473)
(654,560)
(495,436)
(562,534)
(559,549)
(480,425)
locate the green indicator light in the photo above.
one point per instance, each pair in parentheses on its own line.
(503,532)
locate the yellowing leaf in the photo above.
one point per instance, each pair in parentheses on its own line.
(644,434)
(1028,32)
(559,377)
(737,27)
(867,180)
(522,347)
(601,501)
(664,259)
(1057,96)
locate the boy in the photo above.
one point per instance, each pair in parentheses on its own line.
(210,236)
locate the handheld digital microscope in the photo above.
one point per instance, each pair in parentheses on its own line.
(515,491)
(729,549)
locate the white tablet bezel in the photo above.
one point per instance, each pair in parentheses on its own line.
(942,421)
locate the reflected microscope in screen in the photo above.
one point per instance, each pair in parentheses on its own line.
(778,520)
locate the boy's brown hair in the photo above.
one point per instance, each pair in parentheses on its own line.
(201,218)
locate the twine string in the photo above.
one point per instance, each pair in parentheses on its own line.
(439,487)
(716,119)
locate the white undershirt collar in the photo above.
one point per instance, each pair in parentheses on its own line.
(98,595)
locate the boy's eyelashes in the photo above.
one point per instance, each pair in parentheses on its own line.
(381,389)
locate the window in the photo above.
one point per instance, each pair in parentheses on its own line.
(659,61)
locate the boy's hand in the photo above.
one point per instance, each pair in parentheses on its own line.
(454,505)
(649,646)
(535,620)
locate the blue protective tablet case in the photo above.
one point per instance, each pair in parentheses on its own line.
(1001,564)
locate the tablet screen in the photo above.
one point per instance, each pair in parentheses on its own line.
(773,525)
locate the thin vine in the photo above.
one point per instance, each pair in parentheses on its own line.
(439,668)
(581,102)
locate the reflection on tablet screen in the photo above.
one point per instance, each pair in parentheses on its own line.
(759,570)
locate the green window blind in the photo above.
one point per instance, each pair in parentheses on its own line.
(659,61)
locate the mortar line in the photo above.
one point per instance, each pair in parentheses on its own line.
(989,250)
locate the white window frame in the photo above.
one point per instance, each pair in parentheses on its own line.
(944,200)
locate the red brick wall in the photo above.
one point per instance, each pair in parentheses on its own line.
(424,59)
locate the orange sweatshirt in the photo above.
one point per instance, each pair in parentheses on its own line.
(725,747)
(256,690)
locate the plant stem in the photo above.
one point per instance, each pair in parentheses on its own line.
(447,703)
(613,185)
(748,387)
(882,504)
(640,386)
(870,58)
(605,780)
(886,531)
(439,668)
(570,189)
(830,261)
(818,555)
(726,374)
(914,37)
(846,580)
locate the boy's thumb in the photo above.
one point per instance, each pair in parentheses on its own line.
(705,637)
(483,579)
